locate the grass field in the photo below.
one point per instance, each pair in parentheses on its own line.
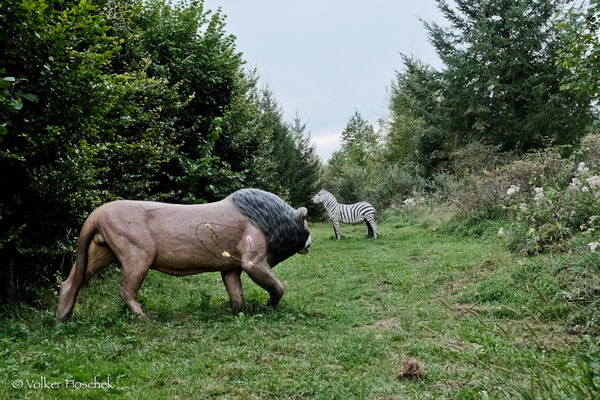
(352,312)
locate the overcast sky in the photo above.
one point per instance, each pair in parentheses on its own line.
(324,59)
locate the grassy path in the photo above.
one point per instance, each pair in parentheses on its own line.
(352,312)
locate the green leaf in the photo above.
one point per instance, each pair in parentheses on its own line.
(31,97)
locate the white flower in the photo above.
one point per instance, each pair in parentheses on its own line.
(539,194)
(574,183)
(512,190)
(593,181)
(226,254)
(501,232)
(585,189)
(593,246)
(523,207)
(410,202)
(582,169)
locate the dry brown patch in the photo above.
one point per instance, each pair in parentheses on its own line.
(411,369)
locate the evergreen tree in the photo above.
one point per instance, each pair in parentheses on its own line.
(308,170)
(413,133)
(271,122)
(580,58)
(500,84)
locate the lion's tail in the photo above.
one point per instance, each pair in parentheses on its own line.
(70,288)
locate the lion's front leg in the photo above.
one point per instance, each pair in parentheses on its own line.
(233,284)
(254,262)
(263,276)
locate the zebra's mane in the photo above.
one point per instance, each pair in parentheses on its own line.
(330,194)
(283,229)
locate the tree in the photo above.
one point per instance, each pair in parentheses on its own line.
(415,113)
(308,171)
(359,142)
(581,55)
(350,170)
(282,150)
(188,47)
(500,84)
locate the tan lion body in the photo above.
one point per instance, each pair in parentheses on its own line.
(174,239)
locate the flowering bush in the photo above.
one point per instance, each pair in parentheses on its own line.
(549,215)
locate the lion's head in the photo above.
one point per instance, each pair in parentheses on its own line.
(285,229)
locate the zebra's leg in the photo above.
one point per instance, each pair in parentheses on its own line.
(371,223)
(369,228)
(374,226)
(336,228)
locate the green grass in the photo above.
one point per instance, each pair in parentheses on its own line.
(354,309)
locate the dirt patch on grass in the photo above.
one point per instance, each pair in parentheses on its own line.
(411,369)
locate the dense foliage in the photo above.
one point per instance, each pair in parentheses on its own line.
(502,93)
(500,84)
(581,56)
(101,100)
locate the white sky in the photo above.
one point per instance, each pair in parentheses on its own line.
(325,59)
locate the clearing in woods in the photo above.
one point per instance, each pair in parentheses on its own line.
(353,312)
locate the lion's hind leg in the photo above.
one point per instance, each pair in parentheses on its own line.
(99,256)
(135,268)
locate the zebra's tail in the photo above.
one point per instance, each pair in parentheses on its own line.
(371,224)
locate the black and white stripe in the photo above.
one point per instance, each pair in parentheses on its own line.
(347,213)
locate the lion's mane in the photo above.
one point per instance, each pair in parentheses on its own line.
(284,231)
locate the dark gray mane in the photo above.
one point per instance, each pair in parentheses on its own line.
(283,229)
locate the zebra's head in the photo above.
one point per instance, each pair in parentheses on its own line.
(320,197)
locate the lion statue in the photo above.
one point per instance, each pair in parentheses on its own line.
(250,230)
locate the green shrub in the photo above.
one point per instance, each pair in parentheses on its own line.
(394,186)
(546,216)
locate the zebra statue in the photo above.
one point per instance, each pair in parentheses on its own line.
(347,213)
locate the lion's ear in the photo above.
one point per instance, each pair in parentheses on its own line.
(301,213)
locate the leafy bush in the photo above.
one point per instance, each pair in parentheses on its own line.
(393,186)
(590,150)
(549,215)
(475,158)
